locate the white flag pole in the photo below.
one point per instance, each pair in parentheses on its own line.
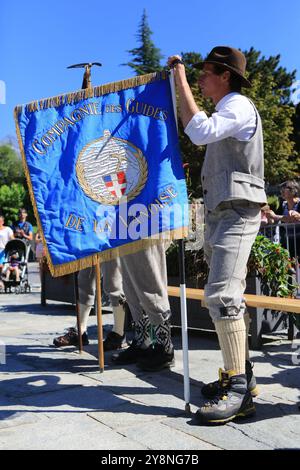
(183,306)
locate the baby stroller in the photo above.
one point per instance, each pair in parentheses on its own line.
(18,251)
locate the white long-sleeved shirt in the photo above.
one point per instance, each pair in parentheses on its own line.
(235,117)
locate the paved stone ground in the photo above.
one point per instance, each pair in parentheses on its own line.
(57,399)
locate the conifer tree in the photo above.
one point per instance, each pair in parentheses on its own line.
(146,57)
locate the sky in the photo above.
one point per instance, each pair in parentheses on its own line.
(38,40)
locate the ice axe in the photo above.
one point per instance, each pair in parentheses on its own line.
(86,82)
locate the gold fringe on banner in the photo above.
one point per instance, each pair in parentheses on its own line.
(75,97)
(107,255)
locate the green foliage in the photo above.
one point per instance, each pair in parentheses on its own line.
(146,58)
(296,132)
(281,160)
(11,169)
(271,92)
(274,202)
(11,199)
(13,188)
(269,68)
(273,266)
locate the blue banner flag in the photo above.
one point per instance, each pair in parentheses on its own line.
(104,170)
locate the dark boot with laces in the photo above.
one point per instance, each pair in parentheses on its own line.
(71,338)
(214,388)
(234,401)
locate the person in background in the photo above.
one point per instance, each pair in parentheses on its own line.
(289,213)
(6,234)
(22,228)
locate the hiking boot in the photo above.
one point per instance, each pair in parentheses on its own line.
(113,341)
(70,339)
(129,356)
(233,402)
(213,389)
(156,358)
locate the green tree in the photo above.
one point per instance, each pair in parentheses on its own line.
(146,58)
(11,169)
(11,199)
(281,158)
(296,133)
(271,92)
(266,67)
(13,187)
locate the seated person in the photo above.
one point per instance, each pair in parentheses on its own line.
(6,234)
(12,267)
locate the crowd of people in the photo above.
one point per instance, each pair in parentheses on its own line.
(232,179)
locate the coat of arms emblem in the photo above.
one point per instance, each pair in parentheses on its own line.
(109,169)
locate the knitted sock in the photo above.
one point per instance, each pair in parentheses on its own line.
(162,334)
(119,318)
(247,321)
(142,332)
(231,335)
(84,313)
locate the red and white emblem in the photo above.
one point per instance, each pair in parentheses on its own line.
(116,184)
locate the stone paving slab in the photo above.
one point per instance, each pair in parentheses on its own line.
(77,433)
(223,437)
(130,414)
(274,429)
(158,436)
(165,399)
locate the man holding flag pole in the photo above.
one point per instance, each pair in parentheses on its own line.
(233,190)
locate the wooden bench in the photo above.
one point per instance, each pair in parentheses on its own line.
(259,302)
(263,301)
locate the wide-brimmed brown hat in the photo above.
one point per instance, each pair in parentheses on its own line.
(231,59)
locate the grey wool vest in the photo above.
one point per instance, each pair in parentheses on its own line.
(234,169)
